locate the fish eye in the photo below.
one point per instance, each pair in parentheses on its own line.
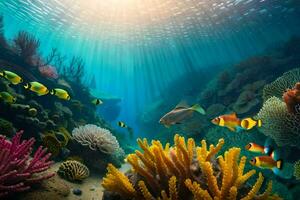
(248,146)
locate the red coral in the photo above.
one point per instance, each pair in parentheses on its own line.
(292,99)
(17,169)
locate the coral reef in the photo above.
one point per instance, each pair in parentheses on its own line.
(183,171)
(279,124)
(213,134)
(73,170)
(245,102)
(281,84)
(297,170)
(215,110)
(6,128)
(17,170)
(52,143)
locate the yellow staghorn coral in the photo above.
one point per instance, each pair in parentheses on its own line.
(185,171)
(118,182)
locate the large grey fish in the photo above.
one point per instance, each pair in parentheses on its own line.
(180,113)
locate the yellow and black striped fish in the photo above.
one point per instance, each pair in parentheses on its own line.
(122,124)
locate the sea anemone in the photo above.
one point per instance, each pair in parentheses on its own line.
(96,138)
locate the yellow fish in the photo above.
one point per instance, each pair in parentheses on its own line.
(122,124)
(266,162)
(97,102)
(7,97)
(37,87)
(11,77)
(249,123)
(60,93)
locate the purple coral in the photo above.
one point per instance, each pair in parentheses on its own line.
(17,169)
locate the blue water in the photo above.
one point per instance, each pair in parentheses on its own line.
(136,48)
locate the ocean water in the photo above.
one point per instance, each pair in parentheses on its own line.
(150,55)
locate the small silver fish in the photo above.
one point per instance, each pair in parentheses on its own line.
(181,112)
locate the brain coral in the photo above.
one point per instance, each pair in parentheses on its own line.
(277,87)
(96,138)
(184,171)
(278,123)
(73,170)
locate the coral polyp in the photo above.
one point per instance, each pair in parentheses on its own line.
(184,171)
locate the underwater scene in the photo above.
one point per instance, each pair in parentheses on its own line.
(150,99)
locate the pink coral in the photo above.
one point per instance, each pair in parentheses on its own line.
(48,72)
(17,169)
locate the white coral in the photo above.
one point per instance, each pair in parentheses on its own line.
(96,138)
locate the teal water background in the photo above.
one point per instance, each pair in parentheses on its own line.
(135,60)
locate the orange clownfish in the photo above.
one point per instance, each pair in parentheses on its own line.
(272,162)
(255,148)
(231,121)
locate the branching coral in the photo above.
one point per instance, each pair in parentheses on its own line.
(26,46)
(278,123)
(17,170)
(96,138)
(73,170)
(184,171)
(279,86)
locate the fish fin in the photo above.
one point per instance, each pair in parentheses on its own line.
(52,92)
(259,123)
(198,109)
(232,129)
(167,126)
(27,85)
(275,155)
(182,104)
(233,115)
(2,73)
(279,164)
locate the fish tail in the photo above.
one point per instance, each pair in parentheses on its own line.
(259,123)
(279,164)
(198,109)
(27,85)
(1,73)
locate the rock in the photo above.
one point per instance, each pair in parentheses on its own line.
(77,192)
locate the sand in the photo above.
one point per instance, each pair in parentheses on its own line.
(91,187)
